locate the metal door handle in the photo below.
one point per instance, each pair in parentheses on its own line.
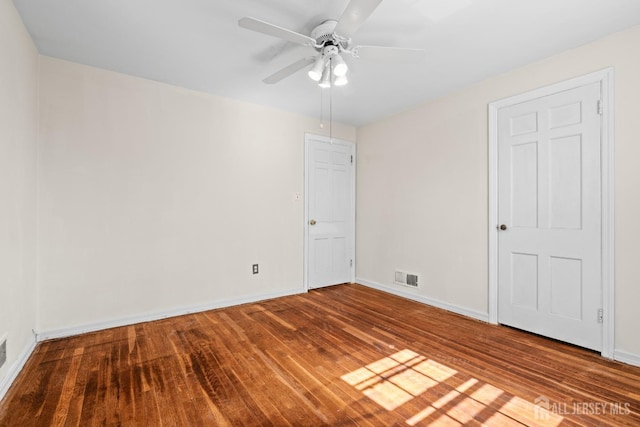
(503,227)
(312,222)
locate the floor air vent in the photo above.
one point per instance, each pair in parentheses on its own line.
(406,279)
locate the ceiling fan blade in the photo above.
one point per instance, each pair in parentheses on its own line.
(354,15)
(273,30)
(287,71)
(381,53)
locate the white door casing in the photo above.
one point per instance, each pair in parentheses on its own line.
(329,211)
(551,186)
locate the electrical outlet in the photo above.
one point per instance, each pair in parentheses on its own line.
(3,352)
(255,268)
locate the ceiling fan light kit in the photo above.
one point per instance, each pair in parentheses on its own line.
(329,59)
(331,39)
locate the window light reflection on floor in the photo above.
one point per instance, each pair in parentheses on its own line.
(395,380)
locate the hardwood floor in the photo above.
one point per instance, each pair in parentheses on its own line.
(343,355)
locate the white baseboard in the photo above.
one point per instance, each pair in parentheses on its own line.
(625,357)
(147,317)
(619,355)
(15,369)
(428,301)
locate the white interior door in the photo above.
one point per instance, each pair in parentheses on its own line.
(549,210)
(330,211)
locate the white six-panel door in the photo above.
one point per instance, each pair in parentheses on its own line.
(330,211)
(549,213)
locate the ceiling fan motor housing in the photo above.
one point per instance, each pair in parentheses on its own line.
(324,36)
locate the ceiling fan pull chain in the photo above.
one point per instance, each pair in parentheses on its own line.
(321,109)
(331,101)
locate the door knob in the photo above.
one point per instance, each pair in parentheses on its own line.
(312,222)
(503,227)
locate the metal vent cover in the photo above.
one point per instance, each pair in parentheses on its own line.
(405,279)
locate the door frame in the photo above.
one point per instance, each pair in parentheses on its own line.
(606,79)
(352,239)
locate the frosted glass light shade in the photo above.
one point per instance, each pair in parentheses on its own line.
(340,67)
(340,81)
(315,73)
(325,81)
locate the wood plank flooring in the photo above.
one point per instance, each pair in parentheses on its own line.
(343,355)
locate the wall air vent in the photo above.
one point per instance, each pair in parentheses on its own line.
(405,279)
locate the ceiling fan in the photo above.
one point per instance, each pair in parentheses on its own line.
(331,39)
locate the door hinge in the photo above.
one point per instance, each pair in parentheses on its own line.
(352,159)
(599,107)
(600,315)
(350,263)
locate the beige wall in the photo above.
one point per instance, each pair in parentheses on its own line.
(154,198)
(18,124)
(423,185)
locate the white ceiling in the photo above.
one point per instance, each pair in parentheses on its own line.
(197,44)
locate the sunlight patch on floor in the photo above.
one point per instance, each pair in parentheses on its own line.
(397,379)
